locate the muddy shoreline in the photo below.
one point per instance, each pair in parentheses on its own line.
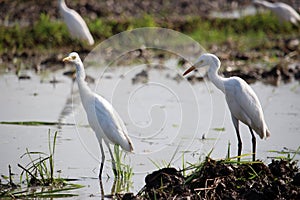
(169,14)
(224,180)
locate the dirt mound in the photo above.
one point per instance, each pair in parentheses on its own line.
(221,180)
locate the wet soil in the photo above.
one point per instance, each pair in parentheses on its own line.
(220,180)
(173,15)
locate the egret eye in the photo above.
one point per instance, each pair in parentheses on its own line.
(73,57)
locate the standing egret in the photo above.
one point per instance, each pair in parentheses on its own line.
(241,99)
(283,11)
(102,117)
(76,25)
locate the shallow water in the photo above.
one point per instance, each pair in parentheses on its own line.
(164,117)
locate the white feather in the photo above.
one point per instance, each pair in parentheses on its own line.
(76,25)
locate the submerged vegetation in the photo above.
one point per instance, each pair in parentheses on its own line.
(123,180)
(34,123)
(40,171)
(38,176)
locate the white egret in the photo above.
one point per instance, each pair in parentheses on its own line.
(241,99)
(283,11)
(76,25)
(102,117)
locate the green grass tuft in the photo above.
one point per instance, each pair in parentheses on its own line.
(123,181)
(39,177)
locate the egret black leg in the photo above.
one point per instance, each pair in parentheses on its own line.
(101,189)
(102,160)
(112,159)
(253,143)
(235,122)
(240,144)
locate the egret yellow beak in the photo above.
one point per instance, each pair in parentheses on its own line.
(192,68)
(67,59)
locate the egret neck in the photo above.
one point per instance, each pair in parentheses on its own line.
(84,89)
(214,76)
(62,5)
(266,4)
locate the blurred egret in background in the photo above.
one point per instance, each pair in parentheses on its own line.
(76,25)
(241,99)
(102,117)
(284,12)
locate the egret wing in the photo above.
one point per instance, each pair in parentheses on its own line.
(111,124)
(77,26)
(243,102)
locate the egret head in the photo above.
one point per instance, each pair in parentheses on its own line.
(73,58)
(206,59)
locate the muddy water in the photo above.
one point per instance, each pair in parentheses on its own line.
(166,116)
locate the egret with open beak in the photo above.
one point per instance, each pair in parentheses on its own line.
(242,101)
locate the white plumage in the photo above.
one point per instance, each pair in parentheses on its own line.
(76,25)
(244,105)
(241,99)
(283,11)
(102,117)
